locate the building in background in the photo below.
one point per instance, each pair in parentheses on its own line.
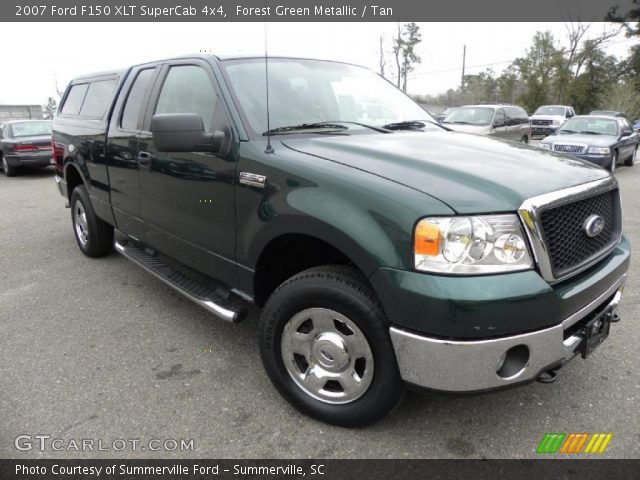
(20,112)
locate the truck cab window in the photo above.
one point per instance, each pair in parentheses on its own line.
(188,89)
(133,105)
(74,99)
(97,98)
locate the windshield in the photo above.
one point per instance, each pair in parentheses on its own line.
(595,126)
(550,111)
(314,91)
(31,129)
(470,116)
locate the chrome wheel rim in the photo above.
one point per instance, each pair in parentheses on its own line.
(80,222)
(327,355)
(614,162)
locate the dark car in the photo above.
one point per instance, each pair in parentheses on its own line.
(607,113)
(25,143)
(381,251)
(603,140)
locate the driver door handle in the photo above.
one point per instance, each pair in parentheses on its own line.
(144,160)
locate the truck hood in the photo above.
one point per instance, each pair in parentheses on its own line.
(470,173)
(590,140)
(559,118)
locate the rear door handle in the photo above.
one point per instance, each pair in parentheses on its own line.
(144,159)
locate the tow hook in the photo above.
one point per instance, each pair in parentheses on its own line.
(615,318)
(548,376)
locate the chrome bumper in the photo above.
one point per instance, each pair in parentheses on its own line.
(467,366)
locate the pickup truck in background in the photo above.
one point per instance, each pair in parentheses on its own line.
(382,251)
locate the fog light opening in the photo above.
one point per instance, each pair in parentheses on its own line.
(514,361)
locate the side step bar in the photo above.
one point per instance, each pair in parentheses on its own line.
(222,303)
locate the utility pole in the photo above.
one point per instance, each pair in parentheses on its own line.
(464,58)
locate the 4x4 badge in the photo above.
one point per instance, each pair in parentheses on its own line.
(594,225)
(253,179)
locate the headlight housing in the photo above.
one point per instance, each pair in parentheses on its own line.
(471,245)
(545,146)
(555,123)
(600,150)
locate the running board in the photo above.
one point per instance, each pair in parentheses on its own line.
(221,302)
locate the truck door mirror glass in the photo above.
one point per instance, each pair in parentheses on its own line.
(499,122)
(184,132)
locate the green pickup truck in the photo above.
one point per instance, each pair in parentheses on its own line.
(383,249)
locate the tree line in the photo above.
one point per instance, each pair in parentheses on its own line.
(574,70)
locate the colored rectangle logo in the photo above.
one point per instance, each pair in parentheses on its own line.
(574,443)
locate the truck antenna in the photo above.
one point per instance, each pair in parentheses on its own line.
(269,148)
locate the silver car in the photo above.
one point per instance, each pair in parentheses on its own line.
(504,121)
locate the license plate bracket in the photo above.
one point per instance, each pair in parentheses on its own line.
(596,331)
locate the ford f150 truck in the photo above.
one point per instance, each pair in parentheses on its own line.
(383,249)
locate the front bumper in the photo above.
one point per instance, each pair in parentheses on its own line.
(542,131)
(600,160)
(468,366)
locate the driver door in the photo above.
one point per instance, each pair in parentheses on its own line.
(499,127)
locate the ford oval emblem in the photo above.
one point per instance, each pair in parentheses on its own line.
(594,225)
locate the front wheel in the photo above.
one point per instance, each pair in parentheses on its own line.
(94,235)
(631,161)
(524,139)
(325,345)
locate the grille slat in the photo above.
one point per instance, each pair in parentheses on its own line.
(541,122)
(567,242)
(568,148)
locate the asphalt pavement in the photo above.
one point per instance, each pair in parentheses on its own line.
(100,350)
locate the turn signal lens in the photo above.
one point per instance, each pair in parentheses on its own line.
(427,239)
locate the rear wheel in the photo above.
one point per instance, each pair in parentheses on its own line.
(326,348)
(94,235)
(8,170)
(614,161)
(631,161)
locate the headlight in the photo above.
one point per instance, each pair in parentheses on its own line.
(600,150)
(546,146)
(555,123)
(470,245)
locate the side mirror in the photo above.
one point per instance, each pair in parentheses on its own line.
(500,122)
(184,132)
(626,133)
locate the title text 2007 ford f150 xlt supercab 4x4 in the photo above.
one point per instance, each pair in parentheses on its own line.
(383,248)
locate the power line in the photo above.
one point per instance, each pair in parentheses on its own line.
(503,62)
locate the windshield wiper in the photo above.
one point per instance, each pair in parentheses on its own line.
(566,131)
(406,125)
(589,132)
(329,124)
(459,122)
(305,126)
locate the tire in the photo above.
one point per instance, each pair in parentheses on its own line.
(8,170)
(334,304)
(93,235)
(614,161)
(631,161)
(524,139)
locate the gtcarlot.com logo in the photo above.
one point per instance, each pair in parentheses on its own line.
(574,443)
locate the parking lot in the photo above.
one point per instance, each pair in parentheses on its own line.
(99,349)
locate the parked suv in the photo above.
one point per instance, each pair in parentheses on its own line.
(381,252)
(546,119)
(503,121)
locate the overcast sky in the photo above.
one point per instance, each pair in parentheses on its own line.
(32,62)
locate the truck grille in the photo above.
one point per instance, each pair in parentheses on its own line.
(541,122)
(568,148)
(564,233)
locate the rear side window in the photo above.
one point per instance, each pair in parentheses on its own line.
(133,105)
(74,99)
(188,89)
(98,98)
